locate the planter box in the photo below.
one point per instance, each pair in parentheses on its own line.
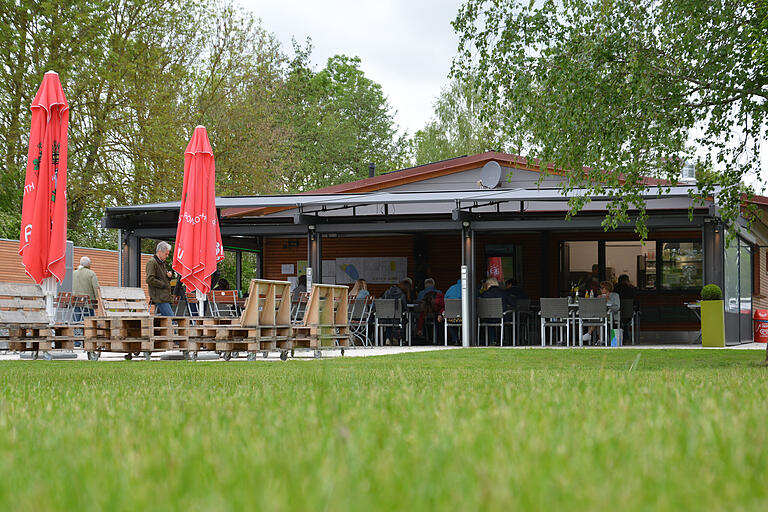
(712,323)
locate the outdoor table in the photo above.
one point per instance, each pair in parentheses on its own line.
(695,308)
(573,309)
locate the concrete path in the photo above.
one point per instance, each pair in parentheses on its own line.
(308,355)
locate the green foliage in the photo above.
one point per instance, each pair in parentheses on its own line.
(457,127)
(141,74)
(476,429)
(629,89)
(711,292)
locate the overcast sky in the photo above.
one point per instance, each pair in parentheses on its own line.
(405,45)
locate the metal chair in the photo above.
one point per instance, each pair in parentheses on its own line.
(193,305)
(627,316)
(299,307)
(359,318)
(389,313)
(593,313)
(490,313)
(451,316)
(554,314)
(523,318)
(81,307)
(62,304)
(224,302)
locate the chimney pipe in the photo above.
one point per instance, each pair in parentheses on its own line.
(371,170)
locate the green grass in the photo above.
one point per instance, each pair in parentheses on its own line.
(459,430)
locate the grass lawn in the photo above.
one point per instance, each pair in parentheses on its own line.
(460,430)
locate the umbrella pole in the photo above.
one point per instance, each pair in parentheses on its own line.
(49,290)
(200,302)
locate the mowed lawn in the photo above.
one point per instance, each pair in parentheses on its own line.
(471,429)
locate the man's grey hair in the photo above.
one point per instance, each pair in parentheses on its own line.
(163,246)
(85,261)
(429,282)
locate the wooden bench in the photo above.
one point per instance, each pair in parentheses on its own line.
(325,322)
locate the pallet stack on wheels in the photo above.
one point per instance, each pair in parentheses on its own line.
(264,325)
(325,323)
(125,325)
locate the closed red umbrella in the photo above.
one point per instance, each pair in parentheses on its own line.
(198,237)
(43,238)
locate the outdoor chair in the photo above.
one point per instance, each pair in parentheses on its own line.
(359,319)
(554,315)
(523,320)
(594,313)
(490,313)
(193,305)
(299,307)
(627,317)
(426,314)
(224,303)
(81,307)
(389,314)
(452,316)
(62,304)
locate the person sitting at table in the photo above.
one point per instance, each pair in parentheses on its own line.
(410,290)
(301,287)
(223,284)
(625,288)
(429,286)
(614,304)
(360,290)
(431,306)
(454,291)
(514,290)
(397,292)
(494,291)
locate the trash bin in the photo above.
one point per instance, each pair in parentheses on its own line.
(761,326)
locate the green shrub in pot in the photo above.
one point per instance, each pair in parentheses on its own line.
(712,316)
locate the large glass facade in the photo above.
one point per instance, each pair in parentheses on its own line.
(737,290)
(682,265)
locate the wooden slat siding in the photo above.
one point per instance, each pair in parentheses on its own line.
(278,252)
(103,261)
(444,255)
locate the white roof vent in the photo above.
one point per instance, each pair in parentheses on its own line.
(688,175)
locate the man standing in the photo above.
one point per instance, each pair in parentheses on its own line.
(159,280)
(85,282)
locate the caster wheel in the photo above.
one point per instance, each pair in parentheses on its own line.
(293,353)
(318,354)
(147,356)
(265,354)
(284,355)
(185,355)
(235,354)
(136,354)
(91,356)
(251,356)
(193,356)
(128,356)
(227,355)
(342,352)
(47,356)
(35,355)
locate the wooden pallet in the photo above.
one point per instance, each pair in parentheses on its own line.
(122,302)
(136,334)
(67,333)
(325,322)
(24,323)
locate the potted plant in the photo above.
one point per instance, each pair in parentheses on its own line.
(712,317)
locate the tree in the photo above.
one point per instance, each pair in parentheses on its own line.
(457,127)
(628,88)
(341,120)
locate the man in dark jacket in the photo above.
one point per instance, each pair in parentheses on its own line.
(159,280)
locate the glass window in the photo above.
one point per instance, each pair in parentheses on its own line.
(682,265)
(731,291)
(745,278)
(634,259)
(579,265)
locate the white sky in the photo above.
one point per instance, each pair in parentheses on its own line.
(405,45)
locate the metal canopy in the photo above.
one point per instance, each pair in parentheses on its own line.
(304,201)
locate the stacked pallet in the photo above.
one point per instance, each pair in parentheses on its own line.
(24,323)
(264,325)
(325,322)
(125,325)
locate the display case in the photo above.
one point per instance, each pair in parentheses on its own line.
(646,271)
(682,265)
